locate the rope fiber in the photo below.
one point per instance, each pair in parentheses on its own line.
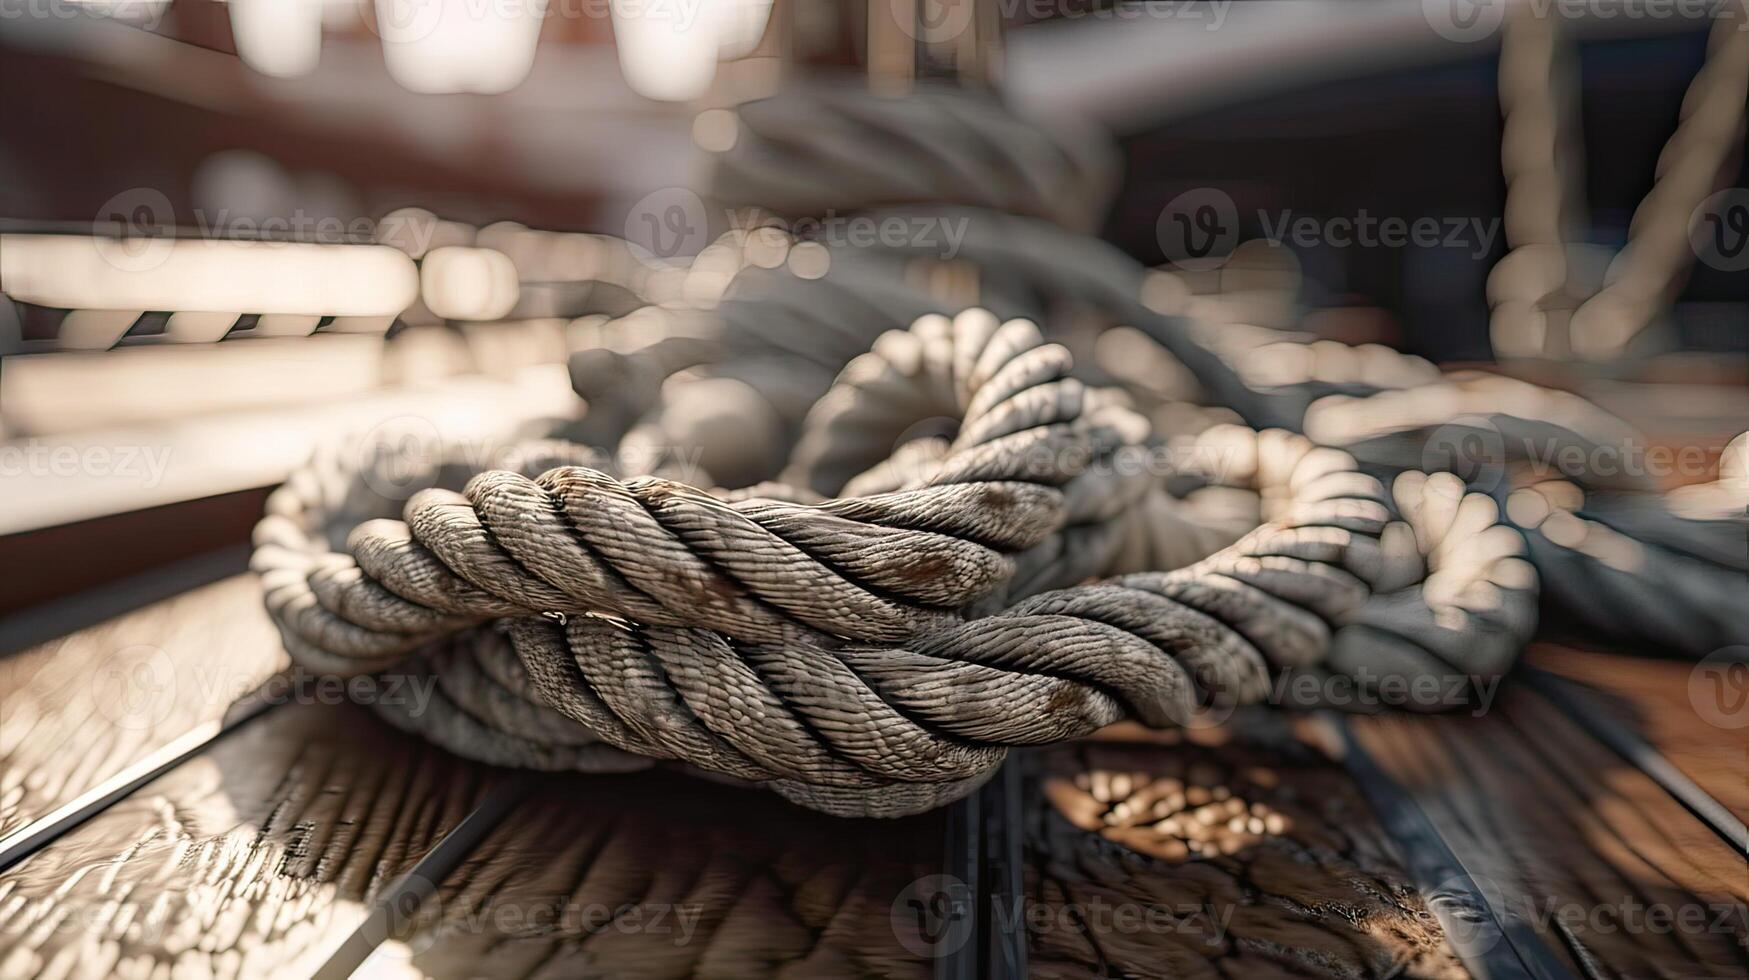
(863,547)
(878,652)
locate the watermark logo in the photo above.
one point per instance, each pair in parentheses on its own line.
(1718,687)
(1718,230)
(941,21)
(672,222)
(1473,908)
(141,465)
(410,922)
(933,916)
(933,21)
(1198,229)
(406,21)
(136,229)
(399,456)
(135,687)
(145,14)
(668,223)
(1469,446)
(411,21)
(1463,904)
(1464,21)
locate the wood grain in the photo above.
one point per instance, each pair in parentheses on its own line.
(664,875)
(1654,698)
(254,858)
(1254,855)
(1611,872)
(77,710)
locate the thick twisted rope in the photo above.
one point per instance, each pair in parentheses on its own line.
(1618,557)
(576,540)
(822,649)
(882,729)
(879,652)
(1668,572)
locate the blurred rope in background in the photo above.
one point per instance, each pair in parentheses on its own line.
(1429,581)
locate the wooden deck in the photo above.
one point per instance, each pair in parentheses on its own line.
(1564,831)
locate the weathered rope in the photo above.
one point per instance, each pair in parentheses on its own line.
(856,728)
(822,648)
(873,630)
(1397,412)
(574,540)
(1453,596)
(1668,572)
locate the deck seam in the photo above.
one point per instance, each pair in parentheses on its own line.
(19,845)
(1441,874)
(397,906)
(1576,702)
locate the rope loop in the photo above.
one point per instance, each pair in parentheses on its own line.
(573,539)
(878,653)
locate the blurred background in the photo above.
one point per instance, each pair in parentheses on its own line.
(254,243)
(484,124)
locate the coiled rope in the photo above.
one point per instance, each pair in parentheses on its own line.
(873,630)
(833,649)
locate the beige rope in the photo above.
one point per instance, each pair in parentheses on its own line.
(825,648)
(1534,289)
(576,540)
(1539,304)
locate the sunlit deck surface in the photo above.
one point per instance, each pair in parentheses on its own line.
(1556,833)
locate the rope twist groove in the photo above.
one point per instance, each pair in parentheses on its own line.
(839,649)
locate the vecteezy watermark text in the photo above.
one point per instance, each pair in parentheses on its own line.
(1199,229)
(934,916)
(137,228)
(672,223)
(1366,230)
(1465,21)
(144,465)
(942,21)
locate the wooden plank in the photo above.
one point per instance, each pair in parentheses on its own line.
(77,710)
(1570,839)
(72,560)
(1225,852)
(254,858)
(69,560)
(1655,699)
(668,875)
(75,609)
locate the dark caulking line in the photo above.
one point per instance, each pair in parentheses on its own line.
(37,834)
(962,862)
(397,908)
(1577,703)
(1005,933)
(1493,943)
